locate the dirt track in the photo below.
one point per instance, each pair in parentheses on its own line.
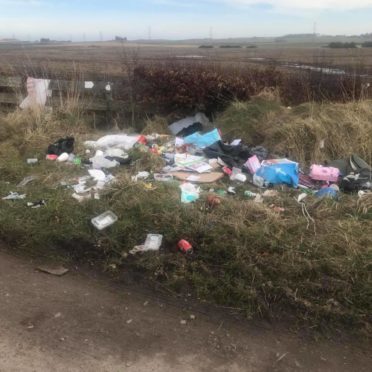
(79,322)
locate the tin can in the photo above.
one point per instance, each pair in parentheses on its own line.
(185,246)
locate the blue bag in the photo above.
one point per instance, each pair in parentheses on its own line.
(279,171)
(203,140)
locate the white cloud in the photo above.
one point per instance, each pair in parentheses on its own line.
(306,4)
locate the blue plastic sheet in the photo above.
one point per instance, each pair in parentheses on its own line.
(203,140)
(279,171)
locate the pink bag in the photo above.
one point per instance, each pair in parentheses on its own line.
(253,164)
(320,173)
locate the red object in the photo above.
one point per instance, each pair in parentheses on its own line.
(142,140)
(227,171)
(51,157)
(184,246)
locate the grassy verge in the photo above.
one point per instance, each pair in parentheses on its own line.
(247,256)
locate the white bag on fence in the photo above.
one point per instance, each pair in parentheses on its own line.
(37,90)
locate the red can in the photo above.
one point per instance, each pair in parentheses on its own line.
(142,140)
(184,246)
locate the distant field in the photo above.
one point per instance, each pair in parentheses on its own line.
(106,58)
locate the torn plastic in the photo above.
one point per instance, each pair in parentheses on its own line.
(37,90)
(203,140)
(190,193)
(279,171)
(178,126)
(120,141)
(14,196)
(152,243)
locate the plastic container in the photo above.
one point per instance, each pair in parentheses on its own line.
(328,174)
(104,220)
(153,242)
(253,164)
(63,157)
(32,161)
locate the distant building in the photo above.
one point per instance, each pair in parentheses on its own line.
(121,39)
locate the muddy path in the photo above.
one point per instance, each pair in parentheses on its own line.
(85,322)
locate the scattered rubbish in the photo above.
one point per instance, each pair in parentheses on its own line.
(231,190)
(129,321)
(37,90)
(51,157)
(259,181)
(120,141)
(53,270)
(194,163)
(141,176)
(190,193)
(301,197)
(236,142)
(27,180)
(104,220)
(198,178)
(192,317)
(97,174)
(152,243)
(213,201)
(185,246)
(14,196)
(203,140)
(306,182)
(36,204)
(328,174)
(183,322)
(253,164)
(177,127)
(63,145)
(237,175)
(232,156)
(88,84)
(163,177)
(328,192)
(63,157)
(227,171)
(270,194)
(149,186)
(221,192)
(250,194)
(279,171)
(32,161)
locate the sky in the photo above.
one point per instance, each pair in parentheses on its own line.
(90,20)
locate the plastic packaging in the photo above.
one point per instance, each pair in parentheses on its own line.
(203,140)
(32,161)
(328,174)
(279,171)
(104,220)
(153,242)
(253,164)
(190,193)
(63,157)
(163,177)
(237,175)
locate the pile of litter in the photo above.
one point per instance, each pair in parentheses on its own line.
(196,155)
